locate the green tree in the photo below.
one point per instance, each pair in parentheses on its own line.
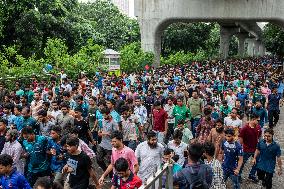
(115,28)
(274,39)
(132,58)
(185,37)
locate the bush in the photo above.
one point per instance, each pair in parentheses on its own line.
(132,58)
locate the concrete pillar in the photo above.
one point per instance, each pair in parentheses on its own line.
(241,43)
(261,49)
(225,37)
(256,47)
(250,49)
(151,39)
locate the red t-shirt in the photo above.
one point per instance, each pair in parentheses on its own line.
(160,117)
(250,137)
(131,183)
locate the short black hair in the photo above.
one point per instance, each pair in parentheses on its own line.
(42,113)
(66,93)
(78,109)
(177,134)
(270,131)
(254,116)
(19,108)
(8,106)
(5,121)
(47,104)
(72,141)
(229,131)
(6,160)
(57,129)
(168,151)
(27,130)
(180,122)
(195,151)
(157,103)
(105,110)
(64,105)
(46,183)
(209,148)
(151,134)
(219,120)
(121,165)
(124,108)
(117,134)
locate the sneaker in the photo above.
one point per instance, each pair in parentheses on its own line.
(253,179)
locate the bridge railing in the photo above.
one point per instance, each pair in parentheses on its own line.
(155,181)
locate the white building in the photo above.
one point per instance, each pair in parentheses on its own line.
(125,6)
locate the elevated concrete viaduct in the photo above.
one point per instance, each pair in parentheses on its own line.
(156,15)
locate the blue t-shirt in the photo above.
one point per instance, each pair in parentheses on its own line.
(267,156)
(232,151)
(38,161)
(14,181)
(56,165)
(116,117)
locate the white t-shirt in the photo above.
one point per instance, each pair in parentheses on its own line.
(151,158)
(179,150)
(228,121)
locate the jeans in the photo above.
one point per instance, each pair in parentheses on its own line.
(233,177)
(194,123)
(246,156)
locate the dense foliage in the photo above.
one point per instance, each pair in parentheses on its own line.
(274,39)
(71,35)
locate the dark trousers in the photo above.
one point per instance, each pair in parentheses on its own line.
(32,177)
(265,177)
(273,117)
(170,132)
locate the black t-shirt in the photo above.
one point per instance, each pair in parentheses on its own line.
(81,163)
(2,142)
(83,128)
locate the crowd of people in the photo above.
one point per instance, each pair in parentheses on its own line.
(207,119)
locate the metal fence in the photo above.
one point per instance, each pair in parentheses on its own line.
(155,181)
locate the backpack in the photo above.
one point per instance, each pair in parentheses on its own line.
(195,179)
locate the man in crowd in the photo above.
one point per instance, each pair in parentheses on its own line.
(10,177)
(150,154)
(79,166)
(160,121)
(195,174)
(35,152)
(273,108)
(249,137)
(120,151)
(268,152)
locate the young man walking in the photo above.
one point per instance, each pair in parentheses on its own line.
(249,137)
(79,165)
(268,152)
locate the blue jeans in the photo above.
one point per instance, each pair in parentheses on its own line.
(194,123)
(246,156)
(233,177)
